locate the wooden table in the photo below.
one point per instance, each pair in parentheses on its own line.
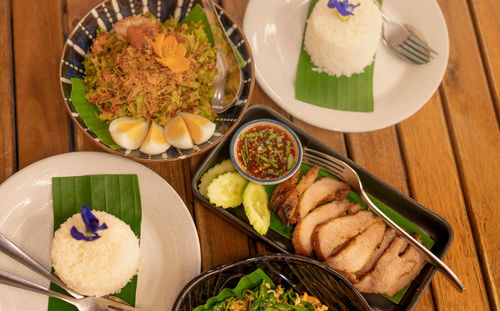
(446,156)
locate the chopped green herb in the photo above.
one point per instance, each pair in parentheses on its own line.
(290,163)
(265,147)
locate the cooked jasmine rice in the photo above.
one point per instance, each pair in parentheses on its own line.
(343,47)
(100,267)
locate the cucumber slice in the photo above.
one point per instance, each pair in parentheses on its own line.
(227,190)
(221,168)
(255,203)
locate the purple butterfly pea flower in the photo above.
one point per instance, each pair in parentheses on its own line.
(91,226)
(343,7)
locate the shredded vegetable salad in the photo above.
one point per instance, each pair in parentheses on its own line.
(150,70)
(264,298)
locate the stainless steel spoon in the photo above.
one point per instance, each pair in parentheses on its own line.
(227,82)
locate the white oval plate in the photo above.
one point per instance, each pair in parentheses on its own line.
(400,88)
(170,248)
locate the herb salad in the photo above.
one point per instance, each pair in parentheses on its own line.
(265,298)
(150,70)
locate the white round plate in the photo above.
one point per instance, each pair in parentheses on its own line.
(400,89)
(170,247)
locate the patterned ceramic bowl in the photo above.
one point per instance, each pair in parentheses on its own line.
(109,12)
(303,274)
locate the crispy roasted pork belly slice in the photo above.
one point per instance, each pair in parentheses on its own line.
(389,235)
(336,232)
(287,209)
(359,250)
(302,234)
(282,191)
(323,190)
(397,267)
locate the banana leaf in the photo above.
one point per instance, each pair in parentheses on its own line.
(115,194)
(89,112)
(247,282)
(353,93)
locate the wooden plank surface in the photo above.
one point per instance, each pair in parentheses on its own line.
(445,156)
(7,116)
(475,136)
(42,120)
(485,16)
(435,183)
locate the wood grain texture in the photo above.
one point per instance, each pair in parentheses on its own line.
(259,97)
(235,9)
(42,120)
(332,139)
(475,135)
(7,115)
(220,241)
(379,153)
(75,10)
(485,15)
(434,182)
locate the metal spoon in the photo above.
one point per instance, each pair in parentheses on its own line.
(227,82)
(15,252)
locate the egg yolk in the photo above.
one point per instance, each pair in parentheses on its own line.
(132,128)
(194,125)
(156,135)
(177,128)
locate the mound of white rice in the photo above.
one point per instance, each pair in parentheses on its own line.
(100,267)
(343,47)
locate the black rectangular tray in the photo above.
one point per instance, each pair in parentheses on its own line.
(432,224)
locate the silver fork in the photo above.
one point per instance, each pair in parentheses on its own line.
(83,304)
(405,41)
(344,172)
(15,252)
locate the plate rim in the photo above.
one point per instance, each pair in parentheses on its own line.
(358,127)
(19,176)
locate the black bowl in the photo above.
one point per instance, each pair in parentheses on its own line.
(301,273)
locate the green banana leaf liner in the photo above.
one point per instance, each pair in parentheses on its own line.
(353,93)
(115,194)
(247,282)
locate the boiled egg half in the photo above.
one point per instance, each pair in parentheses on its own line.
(177,134)
(128,133)
(155,142)
(200,128)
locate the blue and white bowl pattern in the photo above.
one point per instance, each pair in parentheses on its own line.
(236,163)
(108,13)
